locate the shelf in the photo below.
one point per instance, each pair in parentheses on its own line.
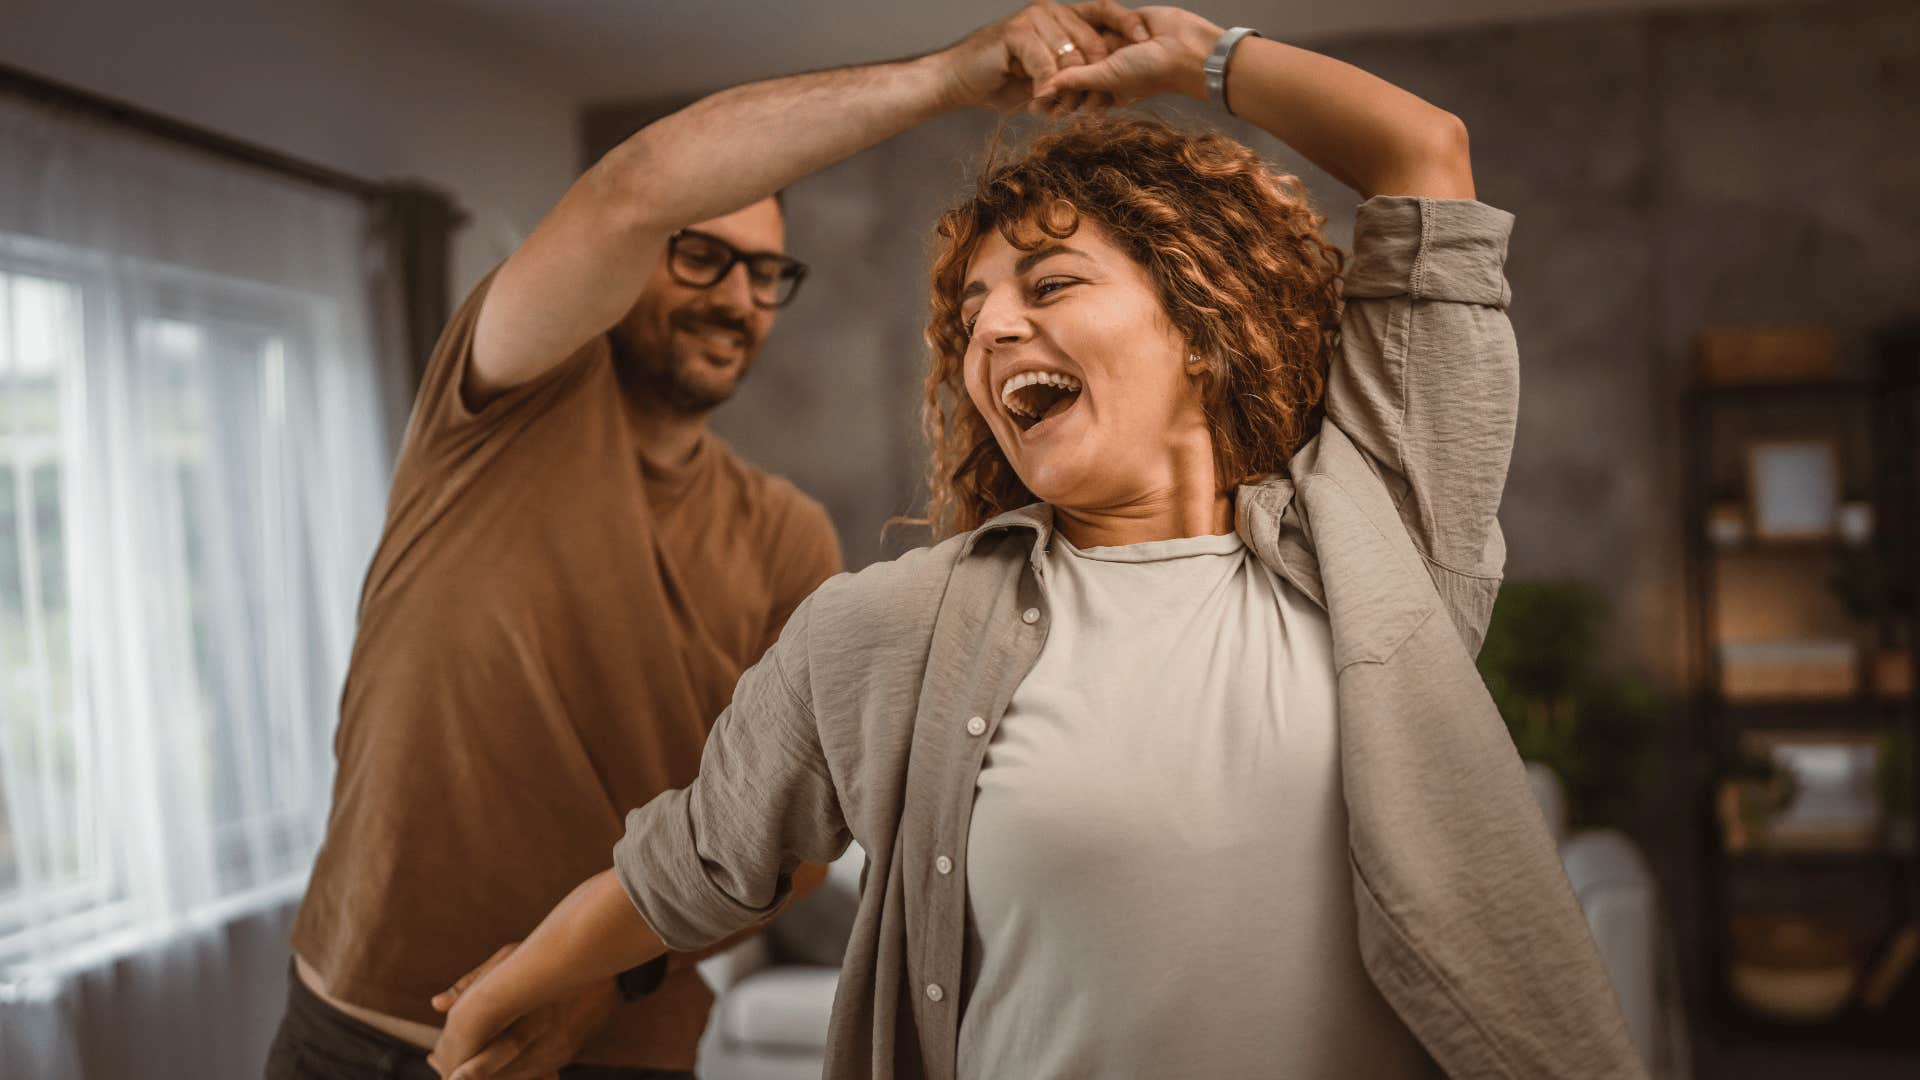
(1862,713)
(1871,422)
(1855,1028)
(1876,859)
(1703,394)
(1890,1028)
(1831,545)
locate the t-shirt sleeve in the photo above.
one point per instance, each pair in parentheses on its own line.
(806,554)
(446,426)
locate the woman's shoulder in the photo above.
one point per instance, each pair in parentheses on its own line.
(886,599)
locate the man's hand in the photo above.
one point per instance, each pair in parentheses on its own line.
(1169,59)
(532,1047)
(1001,65)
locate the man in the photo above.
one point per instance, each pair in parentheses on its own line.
(574,573)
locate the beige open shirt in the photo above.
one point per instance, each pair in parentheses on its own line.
(868,719)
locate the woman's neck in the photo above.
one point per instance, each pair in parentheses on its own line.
(1184,499)
(1167,516)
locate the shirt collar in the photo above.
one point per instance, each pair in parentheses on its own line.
(1258,506)
(1037,517)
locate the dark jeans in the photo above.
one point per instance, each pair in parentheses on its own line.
(319,1042)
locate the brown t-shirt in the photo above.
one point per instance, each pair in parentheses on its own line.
(547,632)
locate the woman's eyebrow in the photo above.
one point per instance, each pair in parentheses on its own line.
(1026,262)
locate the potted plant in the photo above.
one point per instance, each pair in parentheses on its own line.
(1591,724)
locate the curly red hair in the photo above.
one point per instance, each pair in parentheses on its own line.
(1233,247)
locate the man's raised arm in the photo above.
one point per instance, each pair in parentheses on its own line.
(588,260)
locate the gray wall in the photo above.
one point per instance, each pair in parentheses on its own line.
(1668,171)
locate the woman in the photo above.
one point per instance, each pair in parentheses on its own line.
(1171,759)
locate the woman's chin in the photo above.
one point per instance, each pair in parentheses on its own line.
(1053,479)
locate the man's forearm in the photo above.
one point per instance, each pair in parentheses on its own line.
(580,271)
(743,144)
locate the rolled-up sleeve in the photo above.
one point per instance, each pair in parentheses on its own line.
(1427,382)
(708,860)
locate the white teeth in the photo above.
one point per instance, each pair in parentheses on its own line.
(1034,378)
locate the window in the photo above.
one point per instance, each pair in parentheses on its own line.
(48,833)
(176,587)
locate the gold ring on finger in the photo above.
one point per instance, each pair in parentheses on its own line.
(1064,49)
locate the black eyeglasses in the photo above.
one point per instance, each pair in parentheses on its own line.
(701,261)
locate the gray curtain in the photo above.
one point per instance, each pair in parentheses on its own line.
(410,271)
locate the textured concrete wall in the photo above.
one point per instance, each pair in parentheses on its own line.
(1668,171)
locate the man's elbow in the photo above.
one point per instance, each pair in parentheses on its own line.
(618,191)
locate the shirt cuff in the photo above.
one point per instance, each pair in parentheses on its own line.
(1430,249)
(659,865)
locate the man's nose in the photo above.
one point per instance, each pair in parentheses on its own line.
(734,291)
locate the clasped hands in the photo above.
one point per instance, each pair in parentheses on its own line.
(1055,58)
(533,1047)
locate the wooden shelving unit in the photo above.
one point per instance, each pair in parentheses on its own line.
(1876,891)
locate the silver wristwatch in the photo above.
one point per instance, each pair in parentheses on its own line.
(1216,65)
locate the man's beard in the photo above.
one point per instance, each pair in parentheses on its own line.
(671,376)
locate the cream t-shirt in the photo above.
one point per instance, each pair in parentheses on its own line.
(1157,871)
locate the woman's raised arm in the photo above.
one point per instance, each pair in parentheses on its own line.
(1362,130)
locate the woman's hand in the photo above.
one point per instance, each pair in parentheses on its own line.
(1170,59)
(1001,65)
(483,1041)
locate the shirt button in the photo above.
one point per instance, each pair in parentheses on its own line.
(1030,616)
(977,726)
(943,864)
(934,993)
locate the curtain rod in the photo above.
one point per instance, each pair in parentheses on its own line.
(42,89)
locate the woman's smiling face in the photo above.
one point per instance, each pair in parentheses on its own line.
(1080,375)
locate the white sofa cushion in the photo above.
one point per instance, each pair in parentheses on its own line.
(779,1009)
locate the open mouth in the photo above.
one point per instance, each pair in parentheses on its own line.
(1036,396)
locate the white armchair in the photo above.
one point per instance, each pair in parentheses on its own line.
(1621,901)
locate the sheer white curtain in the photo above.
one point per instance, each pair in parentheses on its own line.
(193,464)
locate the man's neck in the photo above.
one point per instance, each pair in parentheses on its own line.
(665,437)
